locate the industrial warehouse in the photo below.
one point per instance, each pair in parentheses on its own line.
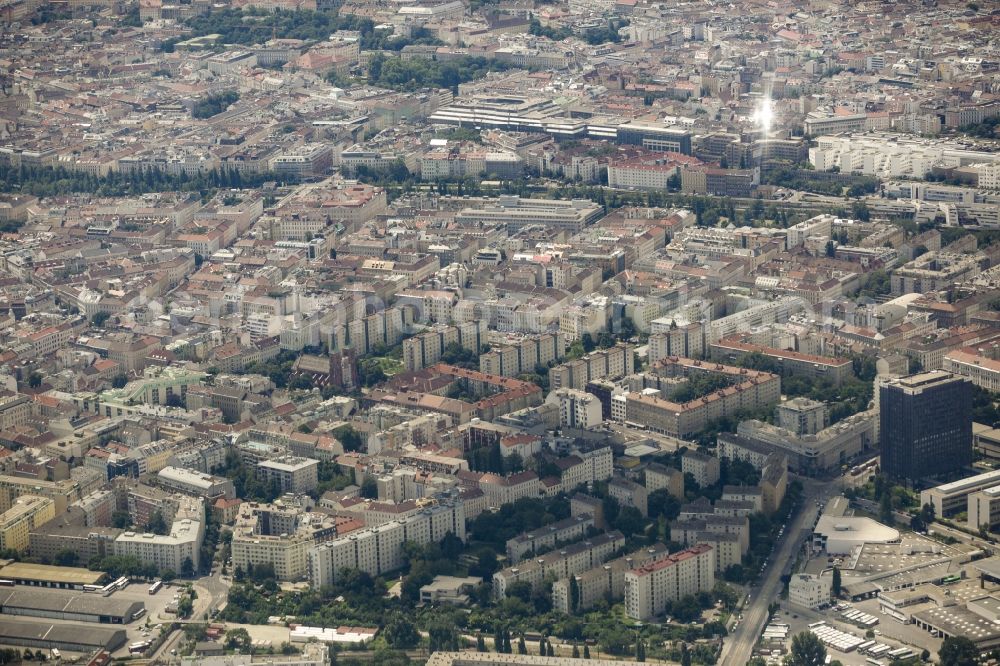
(74,606)
(43,575)
(67,637)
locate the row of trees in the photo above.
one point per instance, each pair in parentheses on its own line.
(253,26)
(55,181)
(808,180)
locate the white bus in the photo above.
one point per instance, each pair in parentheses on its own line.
(138,648)
(155,587)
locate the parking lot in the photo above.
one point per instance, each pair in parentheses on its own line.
(889,631)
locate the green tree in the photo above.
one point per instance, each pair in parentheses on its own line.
(807,650)
(401,633)
(885,509)
(185,607)
(187,568)
(586,652)
(480,643)
(574,595)
(835,584)
(67,558)
(99,318)
(238,639)
(34,380)
(369,488)
(121,520)
(958,651)
(157,523)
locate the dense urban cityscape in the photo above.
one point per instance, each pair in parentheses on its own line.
(499,332)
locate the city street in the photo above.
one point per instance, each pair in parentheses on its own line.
(738,648)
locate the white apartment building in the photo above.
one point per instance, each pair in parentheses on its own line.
(950,498)
(989,176)
(892,156)
(587,317)
(377,550)
(704,468)
(293,474)
(980,370)
(425,349)
(619,406)
(17,522)
(500,490)
(577,409)
(809,591)
(776,311)
(662,477)
(984,508)
(649,588)
(821,225)
(280,536)
(606,581)
(570,560)
(169,551)
(195,483)
(559,532)
(641,176)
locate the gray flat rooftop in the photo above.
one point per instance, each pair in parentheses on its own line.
(64,601)
(958,621)
(14,632)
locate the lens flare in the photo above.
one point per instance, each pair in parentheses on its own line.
(764,115)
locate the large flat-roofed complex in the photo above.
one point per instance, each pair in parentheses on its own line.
(69,637)
(539,114)
(516,213)
(41,575)
(807,453)
(926,425)
(63,605)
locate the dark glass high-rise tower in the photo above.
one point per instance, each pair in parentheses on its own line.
(925,425)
